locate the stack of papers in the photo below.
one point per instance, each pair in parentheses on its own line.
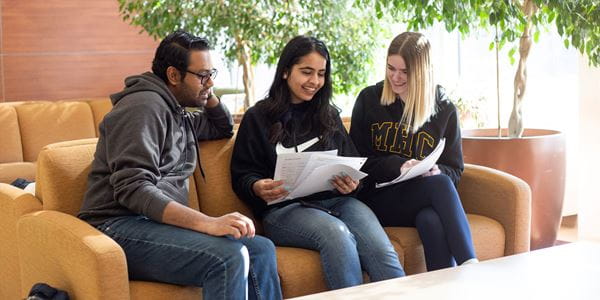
(420,168)
(306,173)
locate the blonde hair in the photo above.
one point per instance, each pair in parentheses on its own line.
(420,103)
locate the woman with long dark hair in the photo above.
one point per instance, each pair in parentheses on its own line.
(397,122)
(297,116)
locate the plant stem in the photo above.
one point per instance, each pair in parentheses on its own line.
(498,84)
(515,124)
(243,53)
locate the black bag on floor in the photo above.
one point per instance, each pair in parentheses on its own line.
(42,291)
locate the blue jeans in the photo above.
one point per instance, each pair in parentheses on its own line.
(224,267)
(432,205)
(347,245)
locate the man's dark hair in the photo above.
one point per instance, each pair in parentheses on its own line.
(174,50)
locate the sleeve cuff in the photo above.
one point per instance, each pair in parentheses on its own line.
(156,207)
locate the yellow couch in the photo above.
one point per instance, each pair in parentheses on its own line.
(57,248)
(27,126)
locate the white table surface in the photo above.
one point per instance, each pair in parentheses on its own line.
(570,271)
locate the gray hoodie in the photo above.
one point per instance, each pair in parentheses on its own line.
(146,151)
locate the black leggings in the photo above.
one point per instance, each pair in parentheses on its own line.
(431,204)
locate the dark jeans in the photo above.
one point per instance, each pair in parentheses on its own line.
(224,267)
(431,204)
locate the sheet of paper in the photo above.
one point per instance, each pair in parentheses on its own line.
(420,168)
(319,179)
(289,166)
(321,159)
(307,173)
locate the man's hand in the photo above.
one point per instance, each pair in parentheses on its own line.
(234,224)
(269,189)
(344,184)
(435,170)
(212,100)
(407,165)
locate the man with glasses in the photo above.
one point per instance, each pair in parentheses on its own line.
(138,185)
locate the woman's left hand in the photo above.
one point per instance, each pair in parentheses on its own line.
(435,170)
(344,184)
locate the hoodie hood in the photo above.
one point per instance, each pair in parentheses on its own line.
(147,82)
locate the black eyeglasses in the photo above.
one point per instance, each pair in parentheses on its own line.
(212,74)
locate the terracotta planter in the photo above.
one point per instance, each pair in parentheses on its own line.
(539,159)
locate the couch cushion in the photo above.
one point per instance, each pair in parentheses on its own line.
(155,290)
(11,149)
(300,271)
(45,123)
(11,171)
(488,236)
(100,107)
(215,194)
(408,245)
(488,239)
(193,196)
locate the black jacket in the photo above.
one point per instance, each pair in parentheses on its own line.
(377,134)
(254,156)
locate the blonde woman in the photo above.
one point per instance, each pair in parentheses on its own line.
(397,122)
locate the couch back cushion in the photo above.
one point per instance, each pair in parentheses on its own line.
(215,195)
(62,172)
(45,123)
(11,149)
(100,107)
(193,187)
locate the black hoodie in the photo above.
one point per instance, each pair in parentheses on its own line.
(254,157)
(377,134)
(146,151)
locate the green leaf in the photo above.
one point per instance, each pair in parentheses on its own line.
(511,54)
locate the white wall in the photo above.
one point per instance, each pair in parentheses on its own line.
(589,152)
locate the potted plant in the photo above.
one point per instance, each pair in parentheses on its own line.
(537,156)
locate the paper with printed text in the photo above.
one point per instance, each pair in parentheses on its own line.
(420,168)
(306,173)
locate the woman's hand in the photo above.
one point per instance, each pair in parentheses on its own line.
(407,165)
(269,189)
(344,184)
(435,170)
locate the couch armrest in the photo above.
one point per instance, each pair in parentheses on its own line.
(14,202)
(502,197)
(69,254)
